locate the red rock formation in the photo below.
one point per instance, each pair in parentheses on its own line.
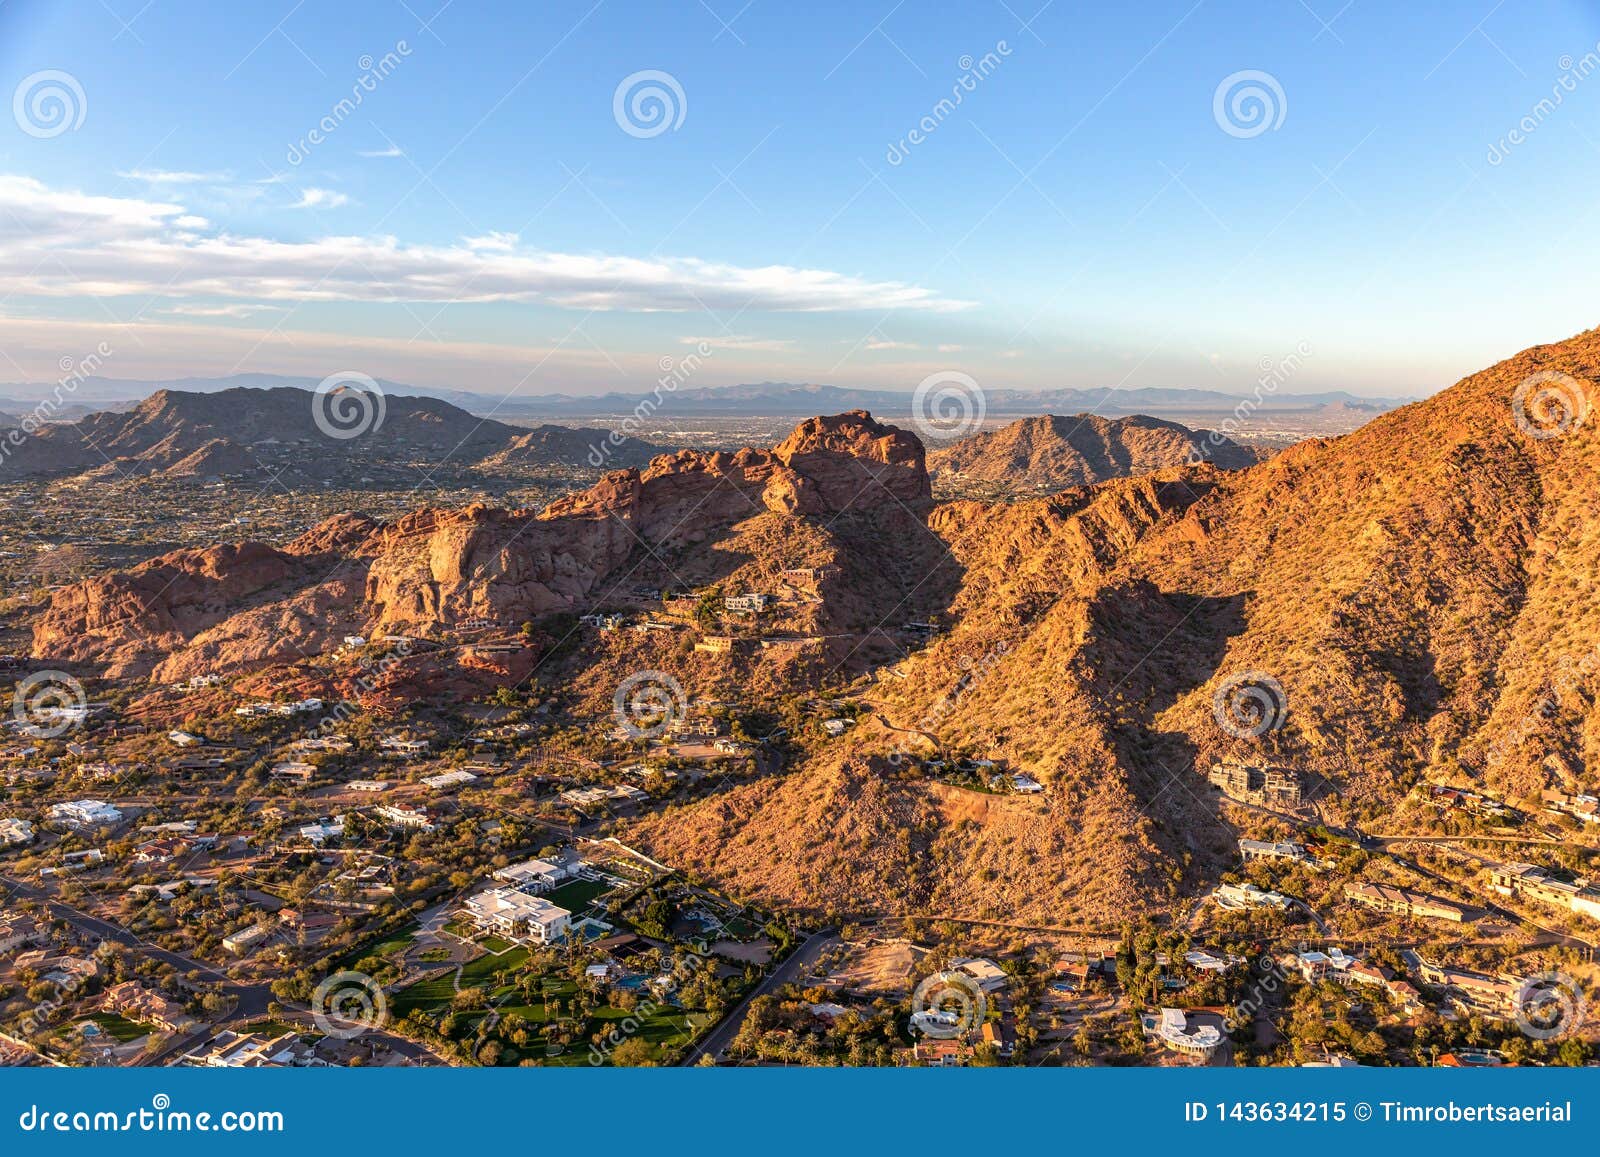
(232,605)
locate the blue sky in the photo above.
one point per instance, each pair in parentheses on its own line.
(1083,217)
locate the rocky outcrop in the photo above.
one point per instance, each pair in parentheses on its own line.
(246,603)
(1050,452)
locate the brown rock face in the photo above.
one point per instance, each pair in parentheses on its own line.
(248,603)
(500,564)
(1050,452)
(132,620)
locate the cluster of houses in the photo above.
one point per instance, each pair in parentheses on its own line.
(1581,807)
(1350,971)
(942,1039)
(285,1050)
(1535,883)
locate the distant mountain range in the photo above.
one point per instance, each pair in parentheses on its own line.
(759,399)
(297,436)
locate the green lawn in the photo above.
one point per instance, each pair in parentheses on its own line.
(576,895)
(394,944)
(665,1029)
(437,993)
(120,1027)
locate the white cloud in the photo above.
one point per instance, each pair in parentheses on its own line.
(391,151)
(240,310)
(883,343)
(951,349)
(321,199)
(741,342)
(173,177)
(65,244)
(498,242)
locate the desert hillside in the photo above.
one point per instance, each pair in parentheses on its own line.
(1052,452)
(1413,600)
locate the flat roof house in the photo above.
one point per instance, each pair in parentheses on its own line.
(518,916)
(81,813)
(535,875)
(245,939)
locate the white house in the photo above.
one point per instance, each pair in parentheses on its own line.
(81,813)
(324,830)
(397,816)
(1179,1032)
(534,875)
(15,831)
(1238,896)
(246,939)
(518,916)
(400,745)
(985,973)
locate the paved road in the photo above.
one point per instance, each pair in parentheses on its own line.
(716,1042)
(1467,839)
